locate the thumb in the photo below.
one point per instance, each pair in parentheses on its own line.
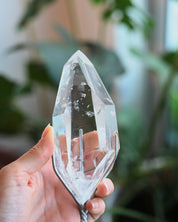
(37,156)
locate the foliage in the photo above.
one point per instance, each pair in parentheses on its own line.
(172,134)
(47,73)
(117,10)
(141,176)
(122,11)
(37,73)
(32,10)
(11,117)
(132,214)
(147,182)
(55,54)
(153,62)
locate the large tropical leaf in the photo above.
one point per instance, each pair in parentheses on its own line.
(65,35)
(7,90)
(11,119)
(106,62)
(54,56)
(38,73)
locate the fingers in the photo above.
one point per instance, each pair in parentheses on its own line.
(36,157)
(96,206)
(90,141)
(91,155)
(105,188)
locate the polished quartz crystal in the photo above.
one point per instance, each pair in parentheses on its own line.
(85,125)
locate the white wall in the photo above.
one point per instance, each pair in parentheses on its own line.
(131,85)
(172,25)
(11,65)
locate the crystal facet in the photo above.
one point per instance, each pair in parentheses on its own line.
(85,125)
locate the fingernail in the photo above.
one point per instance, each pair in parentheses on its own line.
(47,137)
(95,205)
(45,132)
(107,188)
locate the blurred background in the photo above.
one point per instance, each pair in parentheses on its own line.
(134,47)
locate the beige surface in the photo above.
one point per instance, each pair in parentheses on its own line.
(82,19)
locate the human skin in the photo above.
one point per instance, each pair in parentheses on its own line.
(31,192)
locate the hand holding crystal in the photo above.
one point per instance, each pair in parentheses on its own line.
(92,154)
(31,192)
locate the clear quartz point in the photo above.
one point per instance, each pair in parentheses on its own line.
(85,125)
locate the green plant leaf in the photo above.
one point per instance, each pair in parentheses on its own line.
(127,20)
(54,56)
(107,14)
(33,9)
(106,62)
(169,57)
(24,89)
(98,1)
(173,106)
(7,90)
(17,47)
(147,25)
(37,72)
(11,119)
(153,62)
(121,11)
(66,36)
(132,214)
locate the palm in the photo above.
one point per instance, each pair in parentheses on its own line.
(56,203)
(39,197)
(30,190)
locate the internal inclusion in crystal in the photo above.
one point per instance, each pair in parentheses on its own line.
(84,120)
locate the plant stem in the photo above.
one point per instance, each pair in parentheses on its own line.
(160,105)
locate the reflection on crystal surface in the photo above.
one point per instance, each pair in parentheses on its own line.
(84,120)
